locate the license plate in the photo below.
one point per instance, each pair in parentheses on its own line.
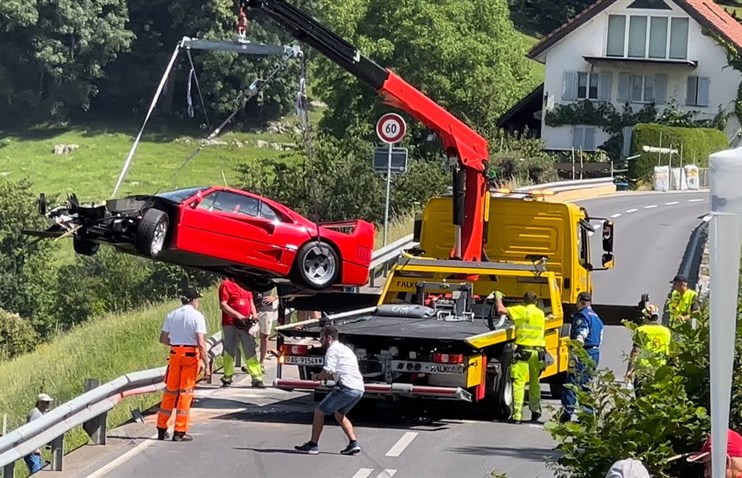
(298,360)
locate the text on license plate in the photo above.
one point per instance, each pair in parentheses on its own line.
(298,360)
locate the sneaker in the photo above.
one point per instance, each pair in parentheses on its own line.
(309,448)
(258,384)
(351,449)
(182,437)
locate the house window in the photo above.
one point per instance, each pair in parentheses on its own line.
(587,86)
(697,91)
(644,36)
(642,88)
(583,138)
(583,85)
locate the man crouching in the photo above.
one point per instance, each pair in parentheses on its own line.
(342,365)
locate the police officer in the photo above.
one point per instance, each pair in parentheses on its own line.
(683,301)
(651,347)
(587,330)
(530,353)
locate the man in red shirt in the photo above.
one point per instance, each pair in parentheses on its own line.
(238,317)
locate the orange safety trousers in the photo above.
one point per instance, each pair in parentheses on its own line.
(180,381)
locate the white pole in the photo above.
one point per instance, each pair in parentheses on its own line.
(5,424)
(725,170)
(388,189)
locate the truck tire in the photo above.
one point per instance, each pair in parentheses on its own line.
(317,265)
(504,394)
(151,233)
(84,247)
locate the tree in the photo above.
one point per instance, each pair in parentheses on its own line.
(17,336)
(543,16)
(464,54)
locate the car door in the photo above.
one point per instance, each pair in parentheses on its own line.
(284,240)
(225,225)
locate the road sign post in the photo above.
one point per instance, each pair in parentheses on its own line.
(390,128)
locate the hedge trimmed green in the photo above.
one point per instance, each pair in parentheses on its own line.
(696,143)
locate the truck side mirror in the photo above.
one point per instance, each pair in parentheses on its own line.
(608,260)
(608,238)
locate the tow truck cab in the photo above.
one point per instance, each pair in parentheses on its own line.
(435,335)
(525,228)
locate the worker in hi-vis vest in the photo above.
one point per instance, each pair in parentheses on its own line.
(530,352)
(683,301)
(651,348)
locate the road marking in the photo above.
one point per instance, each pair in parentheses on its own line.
(650,207)
(363,473)
(671,203)
(387,473)
(120,460)
(616,215)
(403,442)
(695,200)
(631,210)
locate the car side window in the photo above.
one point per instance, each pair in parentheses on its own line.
(234,204)
(208,201)
(267,212)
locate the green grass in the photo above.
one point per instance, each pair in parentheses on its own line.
(91,171)
(538,68)
(103,348)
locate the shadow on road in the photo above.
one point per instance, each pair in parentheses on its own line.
(521,453)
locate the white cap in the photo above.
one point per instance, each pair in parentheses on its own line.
(628,468)
(44,398)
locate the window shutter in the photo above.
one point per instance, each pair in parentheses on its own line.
(624,87)
(660,89)
(605,85)
(578,133)
(690,95)
(569,92)
(589,143)
(703,91)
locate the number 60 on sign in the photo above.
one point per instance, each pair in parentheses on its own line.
(391,128)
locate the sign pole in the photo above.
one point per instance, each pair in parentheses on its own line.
(390,128)
(388,191)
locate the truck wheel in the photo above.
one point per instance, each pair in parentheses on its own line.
(151,233)
(84,247)
(505,395)
(317,265)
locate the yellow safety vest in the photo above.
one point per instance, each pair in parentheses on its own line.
(530,323)
(654,343)
(681,304)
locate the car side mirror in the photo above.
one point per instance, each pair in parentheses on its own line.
(608,261)
(608,238)
(195,202)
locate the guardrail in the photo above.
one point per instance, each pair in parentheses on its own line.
(91,408)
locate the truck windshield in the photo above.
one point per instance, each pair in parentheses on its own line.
(180,195)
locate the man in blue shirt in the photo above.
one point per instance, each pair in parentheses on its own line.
(587,330)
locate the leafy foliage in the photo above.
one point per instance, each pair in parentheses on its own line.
(17,336)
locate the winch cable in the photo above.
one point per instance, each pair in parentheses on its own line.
(254,88)
(194,75)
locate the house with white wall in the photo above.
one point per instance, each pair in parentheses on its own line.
(634,53)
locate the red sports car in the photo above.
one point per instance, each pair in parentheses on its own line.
(227,231)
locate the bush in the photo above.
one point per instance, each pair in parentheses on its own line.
(521,159)
(696,144)
(17,336)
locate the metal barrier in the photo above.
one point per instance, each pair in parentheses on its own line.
(89,410)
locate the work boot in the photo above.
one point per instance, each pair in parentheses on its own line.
(535,416)
(226,381)
(566,417)
(162,434)
(515,421)
(258,384)
(181,436)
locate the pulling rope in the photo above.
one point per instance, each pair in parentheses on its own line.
(193,75)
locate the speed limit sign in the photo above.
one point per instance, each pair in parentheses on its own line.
(391,128)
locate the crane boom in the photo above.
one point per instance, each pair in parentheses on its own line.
(467,151)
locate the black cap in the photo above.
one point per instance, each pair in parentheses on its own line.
(679,278)
(585,297)
(190,294)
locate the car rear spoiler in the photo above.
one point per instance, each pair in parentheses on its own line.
(381,389)
(352,228)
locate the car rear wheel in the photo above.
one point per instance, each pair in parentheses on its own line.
(151,233)
(84,247)
(317,265)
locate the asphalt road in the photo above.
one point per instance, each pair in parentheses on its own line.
(245,432)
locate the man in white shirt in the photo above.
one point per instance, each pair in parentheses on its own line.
(341,364)
(184,331)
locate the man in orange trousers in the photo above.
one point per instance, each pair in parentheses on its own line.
(184,331)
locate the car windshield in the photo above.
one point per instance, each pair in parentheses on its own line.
(180,195)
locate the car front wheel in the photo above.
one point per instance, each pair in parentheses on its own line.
(84,247)
(151,233)
(317,265)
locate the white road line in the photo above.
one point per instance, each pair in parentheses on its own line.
(616,215)
(631,210)
(650,207)
(387,473)
(695,200)
(363,473)
(401,444)
(672,203)
(126,456)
